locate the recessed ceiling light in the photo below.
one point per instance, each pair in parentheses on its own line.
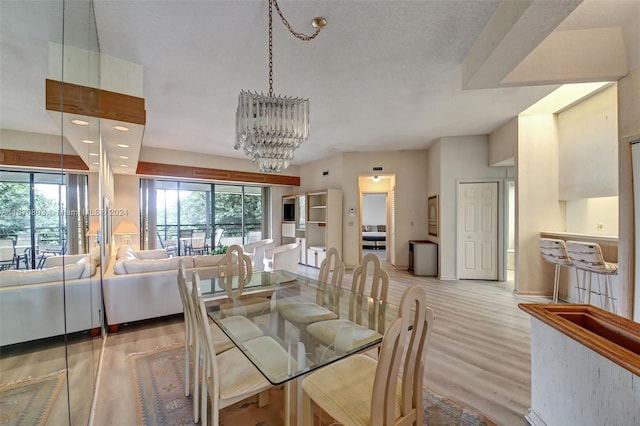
(121,128)
(124,157)
(93,154)
(87,141)
(96,164)
(80,122)
(123,145)
(123,165)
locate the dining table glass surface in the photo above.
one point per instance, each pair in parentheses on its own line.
(233,295)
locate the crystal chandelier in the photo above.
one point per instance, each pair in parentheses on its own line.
(269,128)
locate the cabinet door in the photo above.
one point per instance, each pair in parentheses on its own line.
(303,250)
(289,230)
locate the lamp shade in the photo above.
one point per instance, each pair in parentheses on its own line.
(94,228)
(126,227)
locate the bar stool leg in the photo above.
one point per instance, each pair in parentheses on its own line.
(589,287)
(578,285)
(556,283)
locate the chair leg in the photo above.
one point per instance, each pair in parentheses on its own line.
(556,281)
(307,410)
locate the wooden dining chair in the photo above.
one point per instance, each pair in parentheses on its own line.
(369,290)
(358,390)
(238,325)
(230,377)
(327,302)
(237,264)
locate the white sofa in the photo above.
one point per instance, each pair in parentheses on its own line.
(143,284)
(63,297)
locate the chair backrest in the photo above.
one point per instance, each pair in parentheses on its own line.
(7,250)
(187,304)
(186,233)
(330,279)
(256,251)
(554,250)
(235,264)
(369,275)
(205,342)
(284,257)
(198,240)
(391,355)
(589,257)
(218,237)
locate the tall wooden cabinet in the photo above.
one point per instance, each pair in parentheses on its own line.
(316,223)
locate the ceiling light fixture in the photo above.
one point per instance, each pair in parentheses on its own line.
(87,141)
(78,122)
(121,128)
(270,128)
(94,154)
(122,145)
(124,157)
(376,178)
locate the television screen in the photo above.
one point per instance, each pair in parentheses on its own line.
(289,213)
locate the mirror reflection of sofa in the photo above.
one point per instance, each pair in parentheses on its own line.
(374,236)
(143,284)
(35,302)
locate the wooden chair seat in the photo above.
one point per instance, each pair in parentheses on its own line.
(325,332)
(333,389)
(238,326)
(306,313)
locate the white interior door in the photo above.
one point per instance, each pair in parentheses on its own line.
(478,231)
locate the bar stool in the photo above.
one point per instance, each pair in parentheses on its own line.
(588,258)
(555,251)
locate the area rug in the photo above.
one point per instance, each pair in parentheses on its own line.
(158,378)
(29,401)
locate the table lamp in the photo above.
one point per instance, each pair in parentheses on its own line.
(126,228)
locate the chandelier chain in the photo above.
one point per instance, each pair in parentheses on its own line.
(298,35)
(270,49)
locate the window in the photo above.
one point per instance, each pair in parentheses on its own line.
(184,207)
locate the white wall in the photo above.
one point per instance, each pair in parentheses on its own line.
(588,135)
(502,142)
(462,158)
(597,216)
(538,207)
(374,208)
(410,170)
(629,131)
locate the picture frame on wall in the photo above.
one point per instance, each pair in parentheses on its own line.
(432,215)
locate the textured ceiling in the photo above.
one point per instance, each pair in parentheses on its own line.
(383,75)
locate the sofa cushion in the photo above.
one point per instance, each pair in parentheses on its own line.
(118,267)
(126,252)
(154,265)
(37,276)
(152,254)
(90,266)
(208,260)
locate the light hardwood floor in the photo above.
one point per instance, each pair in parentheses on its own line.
(479,353)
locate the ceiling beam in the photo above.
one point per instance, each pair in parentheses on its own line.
(513,32)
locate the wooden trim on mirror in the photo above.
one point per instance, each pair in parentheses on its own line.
(10,157)
(75,99)
(171,170)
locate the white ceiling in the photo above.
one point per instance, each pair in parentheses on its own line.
(383,75)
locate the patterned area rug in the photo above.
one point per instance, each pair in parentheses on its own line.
(29,401)
(158,377)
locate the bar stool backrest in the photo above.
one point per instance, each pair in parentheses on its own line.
(554,251)
(588,257)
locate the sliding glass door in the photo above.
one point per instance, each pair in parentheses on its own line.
(228,214)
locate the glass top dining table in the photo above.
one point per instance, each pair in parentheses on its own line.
(262,298)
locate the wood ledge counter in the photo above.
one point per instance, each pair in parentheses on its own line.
(612,336)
